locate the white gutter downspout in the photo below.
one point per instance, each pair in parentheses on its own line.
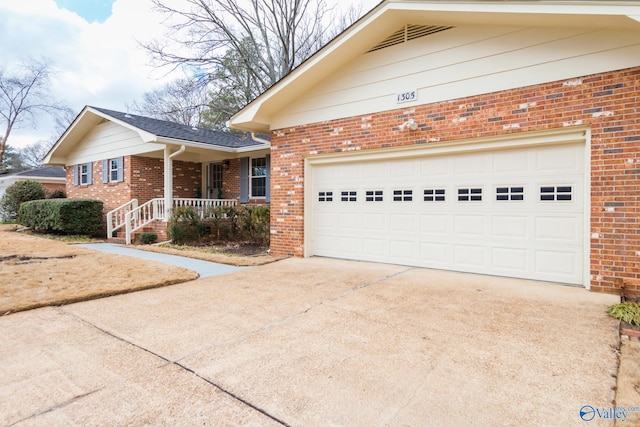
(260,140)
(168,178)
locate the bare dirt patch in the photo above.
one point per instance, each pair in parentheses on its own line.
(37,271)
(238,254)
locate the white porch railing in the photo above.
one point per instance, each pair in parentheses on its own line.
(133,218)
(116,218)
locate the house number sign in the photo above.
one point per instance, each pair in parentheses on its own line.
(407,96)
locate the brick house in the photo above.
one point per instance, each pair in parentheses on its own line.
(130,162)
(52,178)
(498,138)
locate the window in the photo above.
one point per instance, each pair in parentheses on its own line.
(83,172)
(349,196)
(325,196)
(374,196)
(258,177)
(559,193)
(402,195)
(434,195)
(113,170)
(509,193)
(469,194)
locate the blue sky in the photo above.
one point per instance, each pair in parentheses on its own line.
(90,10)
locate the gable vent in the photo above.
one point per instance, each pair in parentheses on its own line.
(409,32)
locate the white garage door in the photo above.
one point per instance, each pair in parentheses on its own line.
(517,212)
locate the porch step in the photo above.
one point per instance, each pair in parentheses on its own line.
(158,227)
(117,240)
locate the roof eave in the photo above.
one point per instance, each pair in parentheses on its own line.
(256,116)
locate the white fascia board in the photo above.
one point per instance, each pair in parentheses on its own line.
(210,147)
(620,8)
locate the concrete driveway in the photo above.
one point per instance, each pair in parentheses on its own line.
(315,342)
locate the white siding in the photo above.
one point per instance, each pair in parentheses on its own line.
(109,140)
(461,62)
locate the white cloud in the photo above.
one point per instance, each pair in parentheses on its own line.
(98,63)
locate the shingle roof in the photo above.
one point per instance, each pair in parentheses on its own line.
(173,130)
(43,172)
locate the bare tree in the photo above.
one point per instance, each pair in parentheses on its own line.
(23,95)
(181,101)
(268,37)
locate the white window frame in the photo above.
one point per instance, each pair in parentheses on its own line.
(113,171)
(252,176)
(83,174)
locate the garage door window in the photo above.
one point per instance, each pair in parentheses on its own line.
(374,196)
(505,194)
(349,196)
(559,193)
(434,195)
(402,195)
(325,196)
(469,194)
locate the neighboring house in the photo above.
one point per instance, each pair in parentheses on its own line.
(500,138)
(137,166)
(52,178)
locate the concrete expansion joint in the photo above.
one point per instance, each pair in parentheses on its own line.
(57,406)
(169,362)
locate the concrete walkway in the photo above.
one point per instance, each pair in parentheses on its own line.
(203,268)
(315,342)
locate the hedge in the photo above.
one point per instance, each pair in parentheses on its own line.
(65,216)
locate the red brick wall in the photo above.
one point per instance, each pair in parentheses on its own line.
(608,103)
(143,180)
(112,194)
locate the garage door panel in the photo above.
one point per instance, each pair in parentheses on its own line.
(402,223)
(514,227)
(508,162)
(469,225)
(558,229)
(349,245)
(349,222)
(513,259)
(531,235)
(469,255)
(435,224)
(434,254)
(374,247)
(374,222)
(402,249)
(556,262)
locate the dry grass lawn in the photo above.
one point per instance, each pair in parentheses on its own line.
(36,271)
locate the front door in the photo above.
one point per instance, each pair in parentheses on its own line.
(214,181)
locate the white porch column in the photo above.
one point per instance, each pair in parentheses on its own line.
(168,182)
(168,178)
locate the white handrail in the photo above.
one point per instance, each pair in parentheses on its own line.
(116,217)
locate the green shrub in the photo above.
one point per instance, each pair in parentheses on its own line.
(627,312)
(222,223)
(185,225)
(64,216)
(18,193)
(148,238)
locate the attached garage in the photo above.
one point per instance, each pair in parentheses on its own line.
(498,138)
(512,209)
